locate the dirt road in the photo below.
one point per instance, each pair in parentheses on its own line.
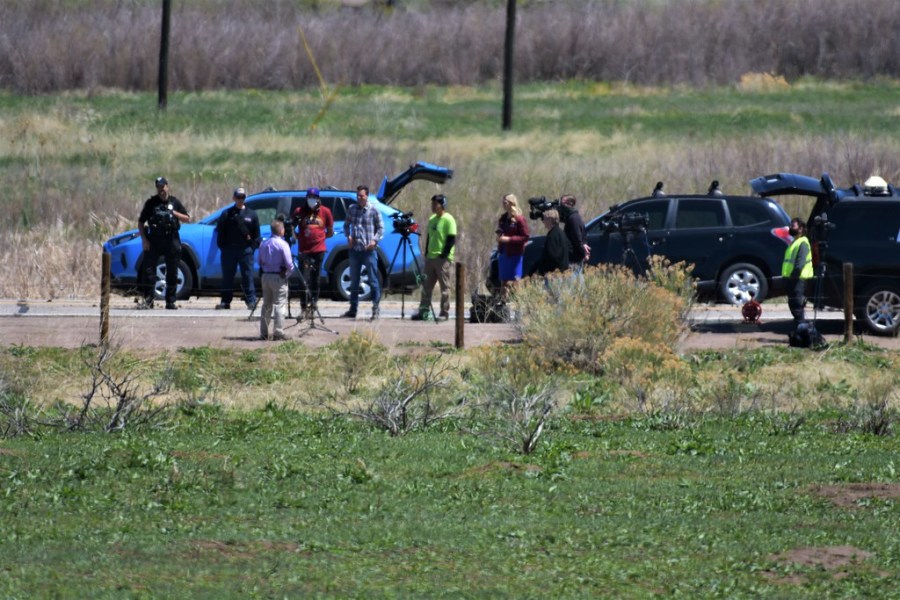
(71,324)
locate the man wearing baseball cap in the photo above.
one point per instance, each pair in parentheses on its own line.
(314,224)
(439,250)
(237,237)
(158,224)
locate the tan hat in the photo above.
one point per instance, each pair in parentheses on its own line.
(875,184)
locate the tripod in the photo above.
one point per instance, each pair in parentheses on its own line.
(405,243)
(629,256)
(312,310)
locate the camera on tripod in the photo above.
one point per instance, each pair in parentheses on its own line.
(540,205)
(628,222)
(404,224)
(821,227)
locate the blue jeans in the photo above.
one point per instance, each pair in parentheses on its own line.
(232,258)
(358,258)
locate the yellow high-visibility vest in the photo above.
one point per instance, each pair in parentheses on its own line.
(790,255)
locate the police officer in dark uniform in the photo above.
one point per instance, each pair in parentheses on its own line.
(238,236)
(158,224)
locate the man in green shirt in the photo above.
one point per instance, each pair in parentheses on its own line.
(439,250)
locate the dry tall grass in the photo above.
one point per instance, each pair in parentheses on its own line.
(72,210)
(49,46)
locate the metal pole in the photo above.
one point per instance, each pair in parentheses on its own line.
(104,297)
(508,64)
(848,302)
(460,305)
(163,80)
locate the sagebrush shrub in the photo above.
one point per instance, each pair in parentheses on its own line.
(573,319)
(651,375)
(357,357)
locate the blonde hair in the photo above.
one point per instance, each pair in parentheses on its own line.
(553,215)
(513,204)
(278,227)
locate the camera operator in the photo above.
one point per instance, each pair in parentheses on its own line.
(314,224)
(512,235)
(797,269)
(237,237)
(573,225)
(158,224)
(555,256)
(439,250)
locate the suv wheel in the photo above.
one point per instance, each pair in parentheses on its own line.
(185,281)
(742,282)
(340,281)
(881,308)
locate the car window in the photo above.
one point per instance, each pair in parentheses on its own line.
(657,210)
(748,213)
(337,208)
(264,208)
(857,222)
(694,214)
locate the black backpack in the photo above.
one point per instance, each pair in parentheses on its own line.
(162,222)
(488,309)
(806,336)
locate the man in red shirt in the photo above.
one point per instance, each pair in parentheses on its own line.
(314,223)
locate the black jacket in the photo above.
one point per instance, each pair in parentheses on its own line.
(556,252)
(574,228)
(239,228)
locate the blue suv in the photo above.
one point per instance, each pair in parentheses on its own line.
(200,269)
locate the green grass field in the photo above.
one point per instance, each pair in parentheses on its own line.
(761,474)
(271,503)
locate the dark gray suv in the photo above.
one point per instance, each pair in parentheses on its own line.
(736,243)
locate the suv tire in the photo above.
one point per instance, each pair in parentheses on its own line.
(340,282)
(880,308)
(185,280)
(742,282)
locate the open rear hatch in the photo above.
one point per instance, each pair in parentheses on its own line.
(420,171)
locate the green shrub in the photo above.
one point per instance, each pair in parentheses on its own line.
(572,320)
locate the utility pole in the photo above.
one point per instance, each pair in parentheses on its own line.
(508,64)
(163,80)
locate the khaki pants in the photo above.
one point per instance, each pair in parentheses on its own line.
(437,270)
(275,293)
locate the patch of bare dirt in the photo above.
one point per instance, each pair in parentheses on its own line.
(838,561)
(198,455)
(849,495)
(501,466)
(245,550)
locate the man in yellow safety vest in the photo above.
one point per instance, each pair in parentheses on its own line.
(797,269)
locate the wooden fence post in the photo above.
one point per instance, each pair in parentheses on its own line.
(460,305)
(104,297)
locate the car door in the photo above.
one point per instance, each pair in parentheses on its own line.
(266,209)
(337,204)
(700,234)
(657,213)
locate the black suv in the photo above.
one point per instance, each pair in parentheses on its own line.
(858,225)
(736,243)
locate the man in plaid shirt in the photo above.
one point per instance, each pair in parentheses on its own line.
(364,229)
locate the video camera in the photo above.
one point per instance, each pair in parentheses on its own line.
(628,222)
(540,205)
(404,224)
